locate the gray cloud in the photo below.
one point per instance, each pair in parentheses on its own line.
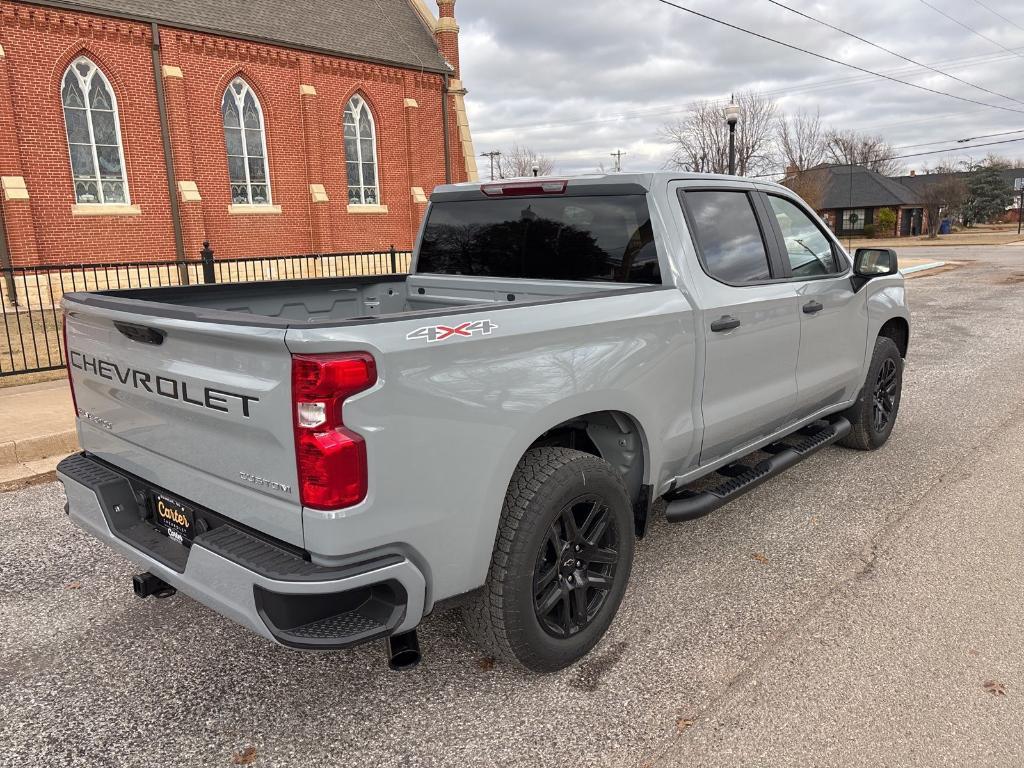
(577,80)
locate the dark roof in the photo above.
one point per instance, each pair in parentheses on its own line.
(386,31)
(918,182)
(847,186)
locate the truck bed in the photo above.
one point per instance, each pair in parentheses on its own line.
(333,301)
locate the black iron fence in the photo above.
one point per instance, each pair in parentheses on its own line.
(30,339)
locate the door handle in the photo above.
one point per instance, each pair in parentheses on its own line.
(812,307)
(726,323)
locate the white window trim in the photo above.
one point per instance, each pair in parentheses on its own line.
(362,104)
(858,225)
(239,99)
(83,83)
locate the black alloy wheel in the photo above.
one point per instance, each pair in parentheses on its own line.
(575,569)
(885,395)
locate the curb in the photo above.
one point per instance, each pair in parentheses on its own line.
(923,267)
(31,449)
(33,460)
(24,474)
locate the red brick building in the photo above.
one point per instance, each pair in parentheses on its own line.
(137,129)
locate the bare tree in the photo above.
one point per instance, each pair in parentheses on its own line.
(521,161)
(853,148)
(700,139)
(944,195)
(801,140)
(810,185)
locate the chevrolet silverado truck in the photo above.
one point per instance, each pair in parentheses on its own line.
(329,461)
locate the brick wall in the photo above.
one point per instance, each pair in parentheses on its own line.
(303,97)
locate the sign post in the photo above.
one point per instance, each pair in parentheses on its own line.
(1018,186)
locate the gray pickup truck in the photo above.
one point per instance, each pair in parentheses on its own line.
(329,461)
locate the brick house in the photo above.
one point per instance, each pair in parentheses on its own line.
(137,129)
(850,197)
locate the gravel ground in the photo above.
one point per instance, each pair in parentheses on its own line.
(850,612)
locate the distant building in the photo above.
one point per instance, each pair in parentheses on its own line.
(849,198)
(307,127)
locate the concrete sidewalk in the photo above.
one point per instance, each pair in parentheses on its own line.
(37,429)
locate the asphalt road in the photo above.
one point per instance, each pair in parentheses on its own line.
(850,612)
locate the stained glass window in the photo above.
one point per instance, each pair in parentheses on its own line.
(94,135)
(246,143)
(361,154)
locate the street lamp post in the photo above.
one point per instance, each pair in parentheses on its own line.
(732,116)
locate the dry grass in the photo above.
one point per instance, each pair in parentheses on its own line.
(988,234)
(29,339)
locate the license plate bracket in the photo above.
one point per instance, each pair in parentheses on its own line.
(175,519)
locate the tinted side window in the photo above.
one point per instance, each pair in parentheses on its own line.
(595,237)
(728,235)
(810,252)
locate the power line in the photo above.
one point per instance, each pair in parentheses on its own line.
(996,13)
(957,149)
(969,29)
(959,141)
(668,109)
(835,61)
(893,53)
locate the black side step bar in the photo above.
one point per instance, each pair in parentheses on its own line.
(689,505)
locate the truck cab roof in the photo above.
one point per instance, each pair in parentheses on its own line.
(609,183)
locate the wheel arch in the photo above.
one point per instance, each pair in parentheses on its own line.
(618,438)
(897,329)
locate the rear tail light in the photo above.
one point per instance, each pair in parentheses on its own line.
(521,188)
(331,458)
(67,360)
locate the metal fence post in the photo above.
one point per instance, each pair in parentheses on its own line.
(394,261)
(207,256)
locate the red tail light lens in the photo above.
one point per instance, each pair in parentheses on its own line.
(331,459)
(67,361)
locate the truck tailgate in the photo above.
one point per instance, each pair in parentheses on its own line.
(200,409)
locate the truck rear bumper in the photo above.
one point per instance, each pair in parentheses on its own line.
(270,589)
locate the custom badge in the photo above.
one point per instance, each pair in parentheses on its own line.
(432,333)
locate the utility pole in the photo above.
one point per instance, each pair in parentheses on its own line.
(494,154)
(618,160)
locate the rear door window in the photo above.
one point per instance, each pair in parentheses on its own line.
(588,238)
(728,235)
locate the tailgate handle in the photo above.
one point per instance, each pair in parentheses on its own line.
(141,333)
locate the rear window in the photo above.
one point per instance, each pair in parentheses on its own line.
(603,238)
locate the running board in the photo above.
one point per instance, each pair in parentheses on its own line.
(689,505)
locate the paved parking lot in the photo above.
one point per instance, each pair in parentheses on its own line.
(863,609)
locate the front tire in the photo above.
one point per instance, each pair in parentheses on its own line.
(561,561)
(873,416)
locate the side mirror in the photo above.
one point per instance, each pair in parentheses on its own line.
(875,262)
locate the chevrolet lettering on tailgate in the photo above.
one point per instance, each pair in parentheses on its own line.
(174,389)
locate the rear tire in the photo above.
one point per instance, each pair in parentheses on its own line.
(561,561)
(874,414)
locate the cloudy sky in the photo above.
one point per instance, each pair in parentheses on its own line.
(579,79)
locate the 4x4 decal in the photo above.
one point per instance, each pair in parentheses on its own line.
(432,333)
